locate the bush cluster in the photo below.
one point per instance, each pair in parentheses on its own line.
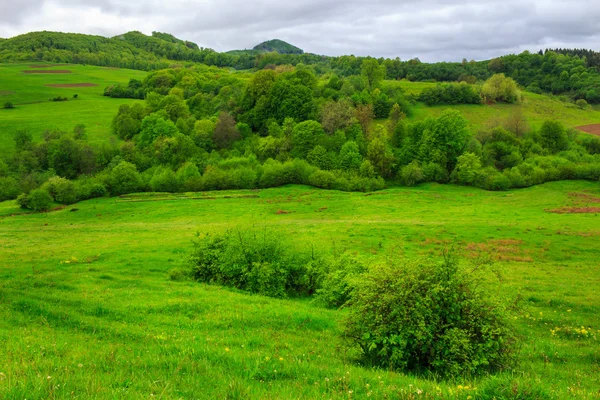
(426,316)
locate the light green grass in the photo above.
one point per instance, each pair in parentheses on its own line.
(535,108)
(35,112)
(110,324)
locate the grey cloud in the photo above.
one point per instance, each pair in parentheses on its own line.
(432,30)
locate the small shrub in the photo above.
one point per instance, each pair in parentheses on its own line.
(75,96)
(9,188)
(8,105)
(62,190)
(36,200)
(428,316)
(412,174)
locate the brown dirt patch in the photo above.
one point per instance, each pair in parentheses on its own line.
(46,65)
(47,71)
(6,92)
(575,210)
(584,197)
(71,85)
(279,212)
(593,129)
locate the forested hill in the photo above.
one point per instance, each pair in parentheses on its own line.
(278,46)
(574,73)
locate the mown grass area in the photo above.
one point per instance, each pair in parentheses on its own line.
(34,111)
(87,308)
(534,107)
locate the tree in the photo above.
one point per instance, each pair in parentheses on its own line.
(467,168)
(336,115)
(444,139)
(350,158)
(225,131)
(124,178)
(61,189)
(380,154)
(517,123)
(153,127)
(364,114)
(305,137)
(371,70)
(500,88)
(23,140)
(554,136)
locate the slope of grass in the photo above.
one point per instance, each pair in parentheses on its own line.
(535,108)
(35,112)
(87,308)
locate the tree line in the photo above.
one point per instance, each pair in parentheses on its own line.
(206,128)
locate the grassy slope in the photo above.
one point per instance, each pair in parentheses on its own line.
(91,108)
(536,108)
(116,327)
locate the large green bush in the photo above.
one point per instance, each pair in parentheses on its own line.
(62,190)
(254,260)
(428,316)
(36,200)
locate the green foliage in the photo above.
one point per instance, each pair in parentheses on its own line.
(412,174)
(305,136)
(254,260)
(36,200)
(61,190)
(338,281)
(554,136)
(8,105)
(450,93)
(278,46)
(429,316)
(372,71)
(468,169)
(153,127)
(500,88)
(165,180)
(9,188)
(124,178)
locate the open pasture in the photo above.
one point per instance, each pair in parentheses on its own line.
(88,309)
(31,88)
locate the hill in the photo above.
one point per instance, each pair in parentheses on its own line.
(278,46)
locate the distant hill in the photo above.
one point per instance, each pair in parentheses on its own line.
(278,46)
(275,45)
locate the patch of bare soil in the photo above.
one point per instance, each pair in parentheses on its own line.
(47,71)
(575,210)
(594,129)
(71,85)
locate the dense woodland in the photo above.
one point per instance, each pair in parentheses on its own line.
(208,128)
(566,72)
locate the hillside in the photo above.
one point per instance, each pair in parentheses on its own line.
(278,46)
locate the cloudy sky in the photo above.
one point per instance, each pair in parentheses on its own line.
(433,30)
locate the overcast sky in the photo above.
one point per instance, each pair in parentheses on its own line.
(433,30)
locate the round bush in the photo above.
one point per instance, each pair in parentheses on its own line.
(428,316)
(39,200)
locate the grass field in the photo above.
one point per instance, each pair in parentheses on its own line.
(36,113)
(87,309)
(536,108)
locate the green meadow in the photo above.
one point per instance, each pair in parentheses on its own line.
(89,309)
(535,107)
(35,112)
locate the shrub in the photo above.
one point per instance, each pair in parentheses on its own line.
(428,316)
(36,200)
(337,281)
(500,88)
(252,260)
(164,180)
(91,191)
(322,179)
(582,104)
(8,105)
(412,174)
(124,178)
(62,190)
(9,188)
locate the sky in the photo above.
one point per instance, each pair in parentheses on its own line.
(432,30)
